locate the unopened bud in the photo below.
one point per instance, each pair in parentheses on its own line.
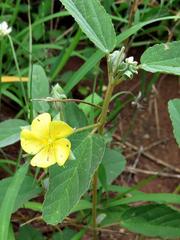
(58,93)
(122,68)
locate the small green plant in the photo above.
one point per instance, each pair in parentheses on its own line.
(76,138)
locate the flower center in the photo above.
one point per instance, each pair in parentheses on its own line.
(50,141)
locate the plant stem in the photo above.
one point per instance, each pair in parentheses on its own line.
(103,115)
(66,100)
(18,69)
(86,127)
(1,57)
(102,122)
(94,203)
(30,62)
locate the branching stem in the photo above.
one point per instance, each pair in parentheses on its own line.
(102,122)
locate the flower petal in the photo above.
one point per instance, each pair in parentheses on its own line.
(30,143)
(62,148)
(60,129)
(45,158)
(40,125)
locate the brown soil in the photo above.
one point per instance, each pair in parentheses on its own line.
(146,132)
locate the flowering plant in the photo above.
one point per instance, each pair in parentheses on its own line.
(68,161)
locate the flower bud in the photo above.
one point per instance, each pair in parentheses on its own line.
(121,68)
(58,93)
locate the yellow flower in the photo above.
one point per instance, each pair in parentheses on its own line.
(47,141)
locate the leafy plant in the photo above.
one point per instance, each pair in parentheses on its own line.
(83,185)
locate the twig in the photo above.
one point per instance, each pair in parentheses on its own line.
(31,220)
(154,144)
(161,162)
(133,9)
(136,161)
(41,176)
(78,225)
(151,157)
(155,173)
(154,159)
(49,99)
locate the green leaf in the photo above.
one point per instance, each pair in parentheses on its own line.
(65,55)
(66,234)
(174,112)
(29,189)
(113,216)
(35,206)
(41,20)
(8,203)
(77,138)
(29,233)
(82,205)
(94,22)
(114,163)
(152,220)
(11,235)
(38,32)
(40,88)
(74,116)
(164,57)
(137,196)
(68,184)
(10,131)
(96,57)
(83,70)
(87,108)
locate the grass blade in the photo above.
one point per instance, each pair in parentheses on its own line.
(7,206)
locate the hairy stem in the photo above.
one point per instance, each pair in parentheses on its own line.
(102,122)
(86,127)
(105,108)
(94,203)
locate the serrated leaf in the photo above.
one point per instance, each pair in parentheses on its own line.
(68,184)
(164,57)
(10,131)
(152,220)
(94,22)
(174,111)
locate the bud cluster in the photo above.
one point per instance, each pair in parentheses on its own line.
(122,68)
